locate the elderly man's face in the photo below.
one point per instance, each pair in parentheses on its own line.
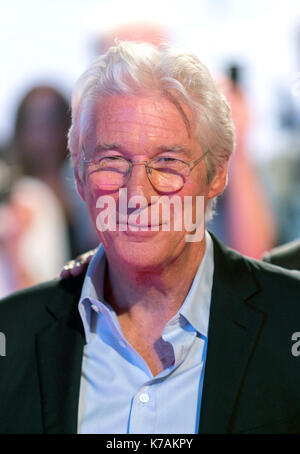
(141,128)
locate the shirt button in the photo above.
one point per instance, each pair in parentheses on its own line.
(96,309)
(144,398)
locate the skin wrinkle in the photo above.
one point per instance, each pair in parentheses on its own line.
(175,102)
(174,151)
(103,147)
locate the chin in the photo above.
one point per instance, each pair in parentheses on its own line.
(140,253)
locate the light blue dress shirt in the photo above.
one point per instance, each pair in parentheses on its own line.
(118,393)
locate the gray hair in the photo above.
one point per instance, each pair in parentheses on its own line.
(135,68)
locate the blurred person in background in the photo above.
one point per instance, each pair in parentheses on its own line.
(282,171)
(138,31)
(245,220)
(35,214)
(40,149)
(10,276)
(32,227)
(39,145)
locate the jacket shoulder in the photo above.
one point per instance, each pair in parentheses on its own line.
(274,282)
(24,301)
(287,255)
(34,304)
(29,293)
(275,275)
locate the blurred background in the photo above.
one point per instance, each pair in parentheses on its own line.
(252,49)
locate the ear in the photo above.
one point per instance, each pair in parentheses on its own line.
(218,183)
(79,183)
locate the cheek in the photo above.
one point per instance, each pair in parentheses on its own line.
(93,196)
(93,191)
(196,186)
(103,209)
(194,201)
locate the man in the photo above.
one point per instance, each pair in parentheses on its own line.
(287,255)
(169,331)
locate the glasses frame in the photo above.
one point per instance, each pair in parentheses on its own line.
(191,165)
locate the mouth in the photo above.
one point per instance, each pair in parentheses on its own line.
(142,226)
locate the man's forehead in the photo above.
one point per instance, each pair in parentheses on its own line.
(151,112)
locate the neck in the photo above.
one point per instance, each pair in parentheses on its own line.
(159,295)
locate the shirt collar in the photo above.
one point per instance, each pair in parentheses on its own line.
(195,308)
(92,289)
(196,305)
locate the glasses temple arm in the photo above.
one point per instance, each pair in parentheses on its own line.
(199,159)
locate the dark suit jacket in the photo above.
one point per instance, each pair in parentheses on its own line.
(287,256)
(251,382)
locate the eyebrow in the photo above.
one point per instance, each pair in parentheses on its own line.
(108,146)
(174,148)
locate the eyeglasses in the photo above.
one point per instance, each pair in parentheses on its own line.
(165,174)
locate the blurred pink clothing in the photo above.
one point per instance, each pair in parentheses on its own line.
(251,224)
(33,236)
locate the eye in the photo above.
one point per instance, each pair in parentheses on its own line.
(108,156)
(106,160)
(166,159)
(112,158)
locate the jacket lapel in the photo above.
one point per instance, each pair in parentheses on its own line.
(59,358)
(233,330)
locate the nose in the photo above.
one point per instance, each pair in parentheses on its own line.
(138,183)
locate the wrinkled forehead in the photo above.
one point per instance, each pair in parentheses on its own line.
(150,115)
